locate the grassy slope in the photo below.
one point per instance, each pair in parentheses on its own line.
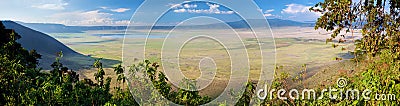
(48,47)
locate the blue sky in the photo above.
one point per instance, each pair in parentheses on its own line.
(119,12)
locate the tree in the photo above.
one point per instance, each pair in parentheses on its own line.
(17,67)
(22,83)
(378,19)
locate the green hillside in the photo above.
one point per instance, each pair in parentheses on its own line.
(48,47)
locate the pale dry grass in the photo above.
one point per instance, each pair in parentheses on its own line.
(295,46)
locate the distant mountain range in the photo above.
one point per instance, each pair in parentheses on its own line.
(60,28)
(48,47)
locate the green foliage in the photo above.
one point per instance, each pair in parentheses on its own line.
(379,21)
(121,97)
(120,72)
(245,99)
(21,83)
(382,77)
(17,68)
(99,76)
(161,84)
(180,96)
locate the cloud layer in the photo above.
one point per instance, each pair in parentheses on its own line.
(94,17)
(193,8)
(120,10)
(295,8)
(56,5)
(267,13)
(299,12)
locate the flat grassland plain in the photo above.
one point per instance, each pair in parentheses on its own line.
(295,47)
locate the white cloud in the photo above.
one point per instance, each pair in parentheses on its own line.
(190,6)
(295,8)
(180,10)
(299,12)
(94,17)
(120,10)
(90,18)
(182,6)
(260,10)
(213,9)
(122,22)
(104,7)
(57,6)
(213,6)
(174,5)
(267,13)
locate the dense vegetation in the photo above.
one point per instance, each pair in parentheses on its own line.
(22,83)
(378,50)
(377,53)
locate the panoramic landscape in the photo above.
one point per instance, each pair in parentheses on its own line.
(313,52)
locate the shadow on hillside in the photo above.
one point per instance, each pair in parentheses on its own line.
(75,61)
(48,47)
(346,55)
